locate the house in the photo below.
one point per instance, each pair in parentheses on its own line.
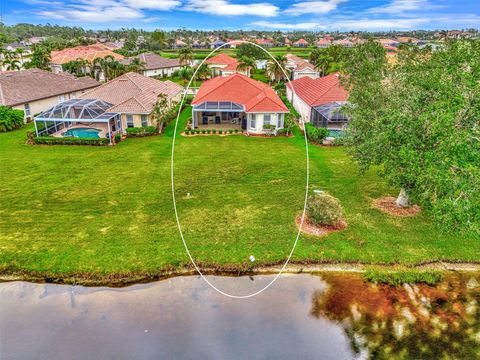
(134,97)
(344,42)
(19,51)
(217,44)
(109,109)
(35,90)
(323,43)
(318,100)
(386,43)
(237,102)
(88,53)
(224,65)
(301,43)
(287,42)
(408,40)
(155,65)
(37,39)
(268,43)
(179,44)
(300,67)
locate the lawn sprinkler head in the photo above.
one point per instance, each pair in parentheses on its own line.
(318,191)
(252,258)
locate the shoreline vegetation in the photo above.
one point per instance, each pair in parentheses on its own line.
(415,273)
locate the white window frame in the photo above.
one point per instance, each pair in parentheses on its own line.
(130,124)
(144,119)
(253,121)
(280,120)
(265,122)
(27,110)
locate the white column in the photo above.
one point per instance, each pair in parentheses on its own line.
(109,132)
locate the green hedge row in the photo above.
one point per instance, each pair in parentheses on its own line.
(10,119)
(316,135)
(50,140)
(141,131)
(209,131)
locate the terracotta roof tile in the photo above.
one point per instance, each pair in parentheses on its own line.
(154,61)
(133,93)
(90,53)
(238,88)
(319,91)
(229,62)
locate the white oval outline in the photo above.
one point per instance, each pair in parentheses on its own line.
(173,183)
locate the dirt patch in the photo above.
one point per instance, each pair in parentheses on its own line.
(316,230)
(387,205)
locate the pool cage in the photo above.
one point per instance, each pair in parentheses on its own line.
(329,116)
(85,112)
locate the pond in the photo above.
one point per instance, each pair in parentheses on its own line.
(318,316)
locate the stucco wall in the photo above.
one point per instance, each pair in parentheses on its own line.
(303,108)
(161,72)
(258,129)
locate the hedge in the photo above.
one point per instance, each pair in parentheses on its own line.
(316,135)
(50,140)
(141,131)
(10,119)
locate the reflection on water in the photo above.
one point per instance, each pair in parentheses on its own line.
(327,316)
(409,322)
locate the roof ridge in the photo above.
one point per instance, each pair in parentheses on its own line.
(328,88)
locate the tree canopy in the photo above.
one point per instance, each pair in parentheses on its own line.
(419,121)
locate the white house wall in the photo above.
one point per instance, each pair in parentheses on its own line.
(161,72)
(302,107)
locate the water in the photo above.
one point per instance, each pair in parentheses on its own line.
(336,133)
(86,133)
(327,316)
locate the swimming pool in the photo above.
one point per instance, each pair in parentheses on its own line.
(336,133)
(82,133)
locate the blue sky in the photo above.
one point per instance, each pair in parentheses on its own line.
(248,14)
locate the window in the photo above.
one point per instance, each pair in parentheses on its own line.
(279,121)
(27,109)
(252,121)
(129,121)
(266,119)
(61,98)
(144,120)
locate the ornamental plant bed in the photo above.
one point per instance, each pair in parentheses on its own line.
(387,205)
(318,230)
(50,140)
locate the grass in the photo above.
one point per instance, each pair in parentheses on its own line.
(108,210)
(397,278)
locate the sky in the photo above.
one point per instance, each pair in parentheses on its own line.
(284,15)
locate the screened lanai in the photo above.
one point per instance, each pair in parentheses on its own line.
(218,114)
(329,116)
(79,114)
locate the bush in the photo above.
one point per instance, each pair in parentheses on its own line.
(236,131)
(220,131)
(118,138)
(141,131)
(10,119)
(50,140)
(230,131)
(214,131)
(397,278)
(316,135)
(204,131)
(187,132)
(209,131)
(339,141)
(324,209)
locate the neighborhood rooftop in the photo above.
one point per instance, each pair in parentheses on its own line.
(223,59)
(153,61)
(89,53)
(133,93)
(18,87)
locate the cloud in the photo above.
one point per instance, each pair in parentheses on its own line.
(360,25)
(287,26)
(400,6)
(114,13)
(313,7)
(153,4)
(226,8)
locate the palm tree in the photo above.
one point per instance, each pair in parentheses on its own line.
(246,64)
(20,52)
(185,56)
(159,110)
(275,68)
(185,73)
(11,63)
(203,72)
(136,65)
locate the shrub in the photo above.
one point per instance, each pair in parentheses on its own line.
(230,131)
(50,140)
(187,132)
(204,131)
(220,131)
(141,131)
(209,131)
(339,141)
(316,135)
(282,131)
(10,119)
(397,278)
(118,138)
(214,131)
(236,131)
(324,209)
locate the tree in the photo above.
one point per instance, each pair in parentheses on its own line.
(136,65)
(329,60)
(185,56)
(419,121)
(203,72)
(276,68)
(185,73)
(11,63)
(159,111)
(246,64)
(250,51)
(40,57)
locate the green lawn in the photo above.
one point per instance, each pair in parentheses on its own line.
(70,209)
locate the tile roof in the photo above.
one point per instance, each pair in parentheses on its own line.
(319,91)
(298,64)
(19,87)
(229,62)
(301,41)
(133,93)
(154,61)
(254,95)
(90,53)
